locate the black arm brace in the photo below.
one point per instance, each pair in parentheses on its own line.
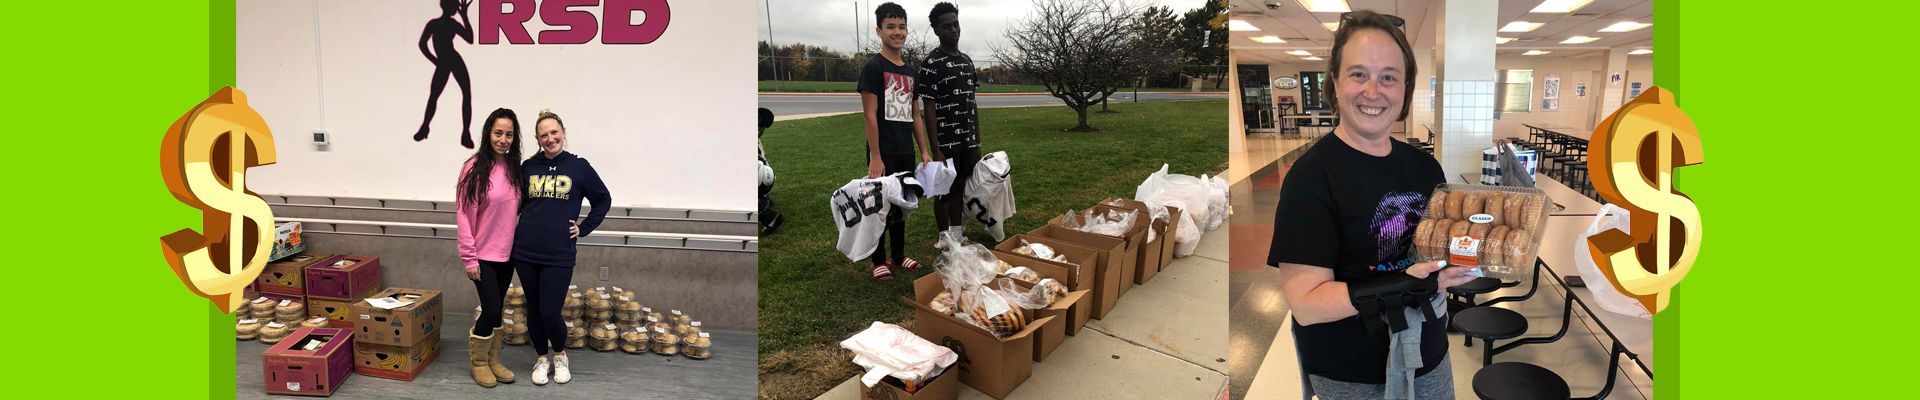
(1385,295)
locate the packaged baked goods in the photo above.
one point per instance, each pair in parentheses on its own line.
(1022,273)
(599,315)
(274,331)
(573,290)
(600,303)
(965,271)
(576,335)
(1051,289)
(514,290)
(1489,227)
(678,318)
(262,306)
(602,337)
(634,341)
(693,329)
(697,347)
(315,322)
(594,293)
(628,311)
(247,329)
(665,343)
(944,303)
(652,316)
(656,324)
(630,325)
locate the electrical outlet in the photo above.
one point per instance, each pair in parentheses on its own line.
(603,273)
(321,138)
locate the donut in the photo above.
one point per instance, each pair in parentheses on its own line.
(1478,231)
(1496,207)
(1520,247)
(1493,252)
(1473,204)
(1453,205)
(1437,206)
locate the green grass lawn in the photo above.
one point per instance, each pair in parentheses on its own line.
(811,296)
(848,87)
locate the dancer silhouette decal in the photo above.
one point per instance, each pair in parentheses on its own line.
(447,62)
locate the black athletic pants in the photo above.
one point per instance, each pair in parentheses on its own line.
(492,287)
(546,287)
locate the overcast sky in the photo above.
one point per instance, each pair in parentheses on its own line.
(831,24)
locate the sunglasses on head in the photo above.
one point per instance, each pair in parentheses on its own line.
(1397,22)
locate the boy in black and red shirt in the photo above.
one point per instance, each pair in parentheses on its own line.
(894,133)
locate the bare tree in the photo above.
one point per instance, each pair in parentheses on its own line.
(1081,50)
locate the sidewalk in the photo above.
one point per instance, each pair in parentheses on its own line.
(1166,339)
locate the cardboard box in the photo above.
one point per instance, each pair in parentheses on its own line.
(943,387)
(292,369)
(286,276)
(277,297)
(1050,336)
(991,365)
(336,310)
(395,361)
(1080,259)
(1109,250)
(324,279)
(286,241)
(1079,303)
(404,325)
(1147,263)
(1128,256)
(1166,245)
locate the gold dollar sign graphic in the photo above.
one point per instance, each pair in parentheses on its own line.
(204,160)
(1637,149)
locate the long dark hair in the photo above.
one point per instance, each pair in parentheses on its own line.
(474,185)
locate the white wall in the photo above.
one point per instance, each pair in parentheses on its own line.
(666,124)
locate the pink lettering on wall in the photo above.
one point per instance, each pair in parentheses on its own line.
(494,20)
(574,26)
(619,21)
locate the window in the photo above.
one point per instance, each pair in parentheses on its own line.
(1515,91)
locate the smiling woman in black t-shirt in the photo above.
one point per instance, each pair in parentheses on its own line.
(1346,214)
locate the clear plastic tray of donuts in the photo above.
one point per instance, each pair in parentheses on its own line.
(1495,228)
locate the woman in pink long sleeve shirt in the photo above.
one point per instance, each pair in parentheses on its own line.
(489,195)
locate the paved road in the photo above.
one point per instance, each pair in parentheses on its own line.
(814,104)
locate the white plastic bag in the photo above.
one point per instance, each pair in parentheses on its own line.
(1603,291)
(1187,237)
(1216,201)
(1190,191)
(889,350)
(935,177)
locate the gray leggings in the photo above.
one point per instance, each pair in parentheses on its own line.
(1435,385)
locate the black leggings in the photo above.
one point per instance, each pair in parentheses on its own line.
(492,288)
(546,287)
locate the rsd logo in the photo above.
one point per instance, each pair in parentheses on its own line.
(616,20)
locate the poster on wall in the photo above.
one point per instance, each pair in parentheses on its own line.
(1636,91)
(1551,90)
(1580,90)
(1550,105)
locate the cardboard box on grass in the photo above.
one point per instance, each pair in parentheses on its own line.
(945,386)
(991,365)
(404,325)
(326,280)
(286,276)
(286,241)
(292,369)
(1048,338)
(395,361)
(337,310)
(1106,275)
(1148,264)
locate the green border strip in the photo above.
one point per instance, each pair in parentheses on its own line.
(1666,324)
(221,64)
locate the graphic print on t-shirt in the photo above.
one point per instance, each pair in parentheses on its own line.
(899,97)
(549,186)
(1393,221)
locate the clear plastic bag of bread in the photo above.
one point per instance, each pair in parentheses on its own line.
(1495,228)
(1040,251)
(966,271)
(1108,222)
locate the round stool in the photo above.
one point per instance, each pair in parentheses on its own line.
(1489,324)
(1477,286)
(1519,381)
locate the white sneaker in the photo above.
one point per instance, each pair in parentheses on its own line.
(560,371)
(540,371)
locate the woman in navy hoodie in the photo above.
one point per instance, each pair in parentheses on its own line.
(543,243)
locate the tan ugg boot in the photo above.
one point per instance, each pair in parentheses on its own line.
(500,372)
(478,350)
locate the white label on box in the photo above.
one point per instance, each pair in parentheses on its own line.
(293,386)
(283,303)
(509,311)
(313,345)
(387,303)
(363,316)
(676,312)
(249,321)
(274,324)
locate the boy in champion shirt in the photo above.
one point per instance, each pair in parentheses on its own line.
(946,86)
(894,132)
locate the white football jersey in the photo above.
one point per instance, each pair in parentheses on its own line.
(861,208)
(990,193)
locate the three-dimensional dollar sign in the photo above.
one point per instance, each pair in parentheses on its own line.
(1637,149)
(204,160)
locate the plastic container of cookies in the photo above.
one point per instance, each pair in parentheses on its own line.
(603,337)
(1495,228)
(634,341)
(665,343)
(697,347)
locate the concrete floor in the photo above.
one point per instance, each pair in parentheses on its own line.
(1264,365)
(616,375)
(1164,340)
